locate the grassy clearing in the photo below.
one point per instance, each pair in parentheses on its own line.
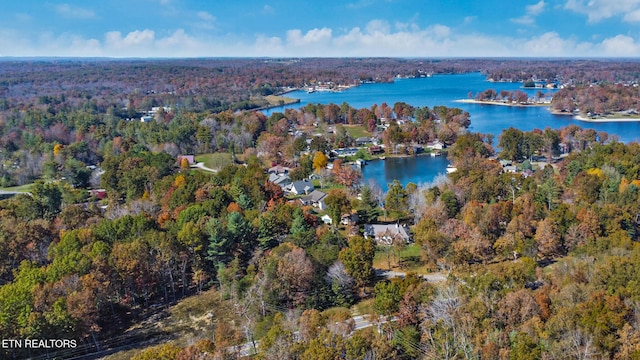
(364,307)
(21,188)
(407,259)
(357,131)
(274,100)
(215,160)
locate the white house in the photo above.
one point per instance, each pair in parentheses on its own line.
(435,145)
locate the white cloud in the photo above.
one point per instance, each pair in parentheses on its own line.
(633,16)
(268,9)
(203,15)
(531,12)
(621,45)
(536,9)
(312,37)
(360,4)
(378,38)
(597,10)
(523,20)
(141,40)
(470,19)
(378,26)
(74,12)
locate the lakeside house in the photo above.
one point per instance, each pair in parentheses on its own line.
(435,145)
(375,150)
(387,234)
(344,152)
(362,141)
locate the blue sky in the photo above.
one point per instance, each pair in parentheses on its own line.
(288,28)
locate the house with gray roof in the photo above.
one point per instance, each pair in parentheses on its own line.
(315,199)
(281,180)
(387,234)
(300,187)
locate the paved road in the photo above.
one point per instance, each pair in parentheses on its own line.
(3,192)
(200,165)
(432,277)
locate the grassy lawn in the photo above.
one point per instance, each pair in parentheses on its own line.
(215,160)
(407,259)
(279,100)
(21,188)
(357,131)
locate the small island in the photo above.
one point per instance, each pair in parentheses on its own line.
(517,98)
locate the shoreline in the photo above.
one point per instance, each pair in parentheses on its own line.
(603,120)
(498,103)
(581,117)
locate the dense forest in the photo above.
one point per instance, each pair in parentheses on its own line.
(540,263)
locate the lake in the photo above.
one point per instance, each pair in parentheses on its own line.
(445,90)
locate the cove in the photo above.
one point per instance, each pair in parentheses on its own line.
(415,169)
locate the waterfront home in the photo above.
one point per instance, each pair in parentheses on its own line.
(315,199)
(375,150)
(435,145)
(344,152)
(362,141)
(387,234)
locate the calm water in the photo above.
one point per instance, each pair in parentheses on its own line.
(445,90)
(419,169)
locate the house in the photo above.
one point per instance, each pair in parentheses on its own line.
(375,150)
(190,159)
(278,170)
(435,145)
(326,219)
(301,187)
(344,152)
(281,180)
(362,141)
(315,199)
(510,169)
(349,219)
(98,193)
(387,234)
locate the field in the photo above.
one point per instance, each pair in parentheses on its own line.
(215,160)
(406,259)
(21,188)
(357,131)
(276,100)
